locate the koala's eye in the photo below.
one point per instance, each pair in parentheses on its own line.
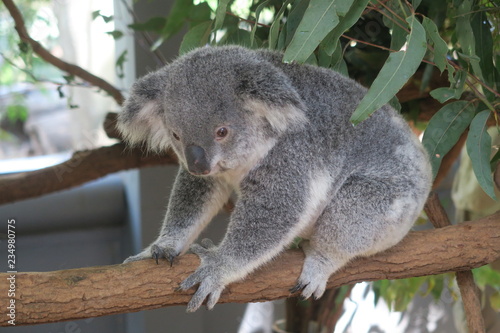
(176,137)
(222,132)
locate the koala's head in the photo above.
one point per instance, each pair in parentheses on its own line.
(216,107)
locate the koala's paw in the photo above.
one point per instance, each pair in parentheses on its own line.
(156,251)
(208,276)
(315,273)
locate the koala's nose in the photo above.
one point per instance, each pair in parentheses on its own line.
(197,160)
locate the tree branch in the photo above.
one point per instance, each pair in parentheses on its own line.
(465,281)
(83,167)
(50,58)
(98,291)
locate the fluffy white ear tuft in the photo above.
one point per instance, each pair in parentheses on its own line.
(144,126)
(282,118)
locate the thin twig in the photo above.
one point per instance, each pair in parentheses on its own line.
(248,21)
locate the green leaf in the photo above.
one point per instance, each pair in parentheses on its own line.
(69,78)
(398,68)
(116,34)
(200,13)
(335,61)
(239,37)
(176,17)
(17,112)
(96,14)
(220,13)
(451,70)
(415,3)
(346,22)
(481,29)
(257,15)
(486,276)
(438,287)
(479,150)
(444,130)
(444,94)
(320,18)
(495,301)
(465,35)
(293,19)
(154,24)
(494,162)
(60,92)
(275,27)
(196,37)
(119,64)
(398,34)
(440,46)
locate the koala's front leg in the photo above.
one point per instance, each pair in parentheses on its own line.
(267,216)
(194,201)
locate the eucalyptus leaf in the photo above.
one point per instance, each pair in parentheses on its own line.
(443,94)
(294,18)
(116,34)
(444,130)
(479,150)
(154,24)
(176,17)
(220,13)
(319,19)
(196,37)
(240,37)
(257,15)
(440,46)
(274,32)
(398,68)
(346,22)
(451,71)
(199,13)
(466,36)
(481,30)
(391,20)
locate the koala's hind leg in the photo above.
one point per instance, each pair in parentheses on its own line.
(365,217)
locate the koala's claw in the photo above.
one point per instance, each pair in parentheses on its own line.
(166,252)
(297,287)
(155,257)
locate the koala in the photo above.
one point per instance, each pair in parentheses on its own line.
(279,136)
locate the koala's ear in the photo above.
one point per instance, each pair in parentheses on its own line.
(268,92)
(140,121)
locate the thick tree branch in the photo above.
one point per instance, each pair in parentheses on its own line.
(50,58)
(465,281)
(83,167)
(97,291)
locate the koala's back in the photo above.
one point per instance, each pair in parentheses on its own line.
(382,146)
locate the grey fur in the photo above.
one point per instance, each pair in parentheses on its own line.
(298,165)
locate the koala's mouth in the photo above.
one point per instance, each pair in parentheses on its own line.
(217,169)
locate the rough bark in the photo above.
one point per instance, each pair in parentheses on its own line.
(97,291)
(465,280)
(83,167)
